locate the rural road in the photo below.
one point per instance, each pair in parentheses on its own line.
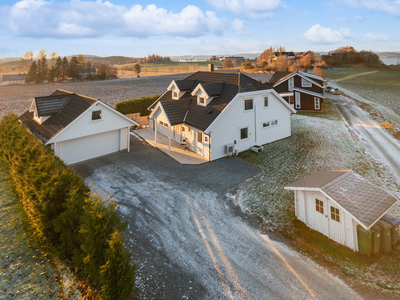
(191,242)
(371,132)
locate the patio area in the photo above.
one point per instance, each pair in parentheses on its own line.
(183,156)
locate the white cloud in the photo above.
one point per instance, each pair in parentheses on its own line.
(377,37)
(321,35)
(40,18)
(238,27)
(260,9)
(359,18)
(385,6)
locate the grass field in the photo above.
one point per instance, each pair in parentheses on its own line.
(379,92)
(319,142)
(163,68)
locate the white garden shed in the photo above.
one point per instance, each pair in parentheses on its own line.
(336,202)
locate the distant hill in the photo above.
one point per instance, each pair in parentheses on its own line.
(111,60)
(388,54)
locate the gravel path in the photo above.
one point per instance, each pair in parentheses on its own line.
(17,98)
(191,242)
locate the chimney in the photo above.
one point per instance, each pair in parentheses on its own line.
(211,67)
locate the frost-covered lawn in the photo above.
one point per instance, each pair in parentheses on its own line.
(319,142)
(26,272)
(381,90)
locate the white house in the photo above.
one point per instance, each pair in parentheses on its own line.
(77,127)
(336,202)
(218,114)
(13,79)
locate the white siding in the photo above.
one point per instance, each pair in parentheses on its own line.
(227,126)
(342,232)
(80,149)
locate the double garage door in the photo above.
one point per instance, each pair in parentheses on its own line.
(80,149)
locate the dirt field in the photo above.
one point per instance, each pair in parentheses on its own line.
(17,98)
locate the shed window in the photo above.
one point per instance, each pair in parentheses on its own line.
(335,214)
(265,101)
(319,206)
(248,104)
(96,115)
(199,137)
(244,133)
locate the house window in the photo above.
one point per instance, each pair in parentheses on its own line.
(202,100)
(205,139)
(265,124)
(96,115)
(199,137)
(175,95)
(244,133)
(317,104)
(297,99)
(319,206)
(274,122)
(335,214)
(265,101)
(305,83)
(291,100)
(291,84)
(248,104)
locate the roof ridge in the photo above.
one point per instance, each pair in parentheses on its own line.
(344,175)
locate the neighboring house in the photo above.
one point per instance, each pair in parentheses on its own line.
(302,90)
(334,203)
(13,79)
(77,127)
(218,114)
(290,55)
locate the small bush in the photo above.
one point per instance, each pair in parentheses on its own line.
(63,214)
(138,105)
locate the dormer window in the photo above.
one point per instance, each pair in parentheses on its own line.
(202,100)
(175,95)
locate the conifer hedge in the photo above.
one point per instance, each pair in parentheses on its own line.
(80,226)
(138,105)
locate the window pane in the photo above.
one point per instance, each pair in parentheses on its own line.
(243,133)
(274,122)
(265,124)
(248,104)
(265,101)
(96,115)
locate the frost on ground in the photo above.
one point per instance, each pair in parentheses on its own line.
(26,272)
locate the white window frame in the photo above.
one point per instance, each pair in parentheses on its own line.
(96,120)
(305,83)
(199,103)
(297,101)
(265,127)
(240,133)
(252,105)
(291,84)
(175,95)
(266,98)
(317,103)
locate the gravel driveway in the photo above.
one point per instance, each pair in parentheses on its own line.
(190,241)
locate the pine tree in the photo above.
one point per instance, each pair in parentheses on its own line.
(32,73)
(64,68)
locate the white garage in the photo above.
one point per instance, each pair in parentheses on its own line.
(77,127)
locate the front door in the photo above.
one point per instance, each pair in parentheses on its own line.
(199,142)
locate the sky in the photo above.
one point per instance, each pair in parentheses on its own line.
(204,27)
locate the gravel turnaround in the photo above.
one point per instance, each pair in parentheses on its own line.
(188,238)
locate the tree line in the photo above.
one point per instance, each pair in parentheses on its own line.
(57,68)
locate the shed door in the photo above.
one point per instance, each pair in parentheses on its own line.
(321,220)
(336,222)
(80,149)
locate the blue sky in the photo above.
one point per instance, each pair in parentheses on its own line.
(138,28)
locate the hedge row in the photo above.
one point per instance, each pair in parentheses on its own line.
(81,227)
(138,105)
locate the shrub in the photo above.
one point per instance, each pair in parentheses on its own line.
(138,105)
(63,214)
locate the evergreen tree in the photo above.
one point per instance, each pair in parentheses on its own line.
(32,73)
(58,68)
(74,68)
(64,68)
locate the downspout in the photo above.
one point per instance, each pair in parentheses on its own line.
(209,147)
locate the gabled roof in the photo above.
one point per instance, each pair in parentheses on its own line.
(309,92)
(224,85)
(50,105)
(277,76)
(73,107)
(366,202)
(185,85)
(14,77)
(311,75)
(306,76)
